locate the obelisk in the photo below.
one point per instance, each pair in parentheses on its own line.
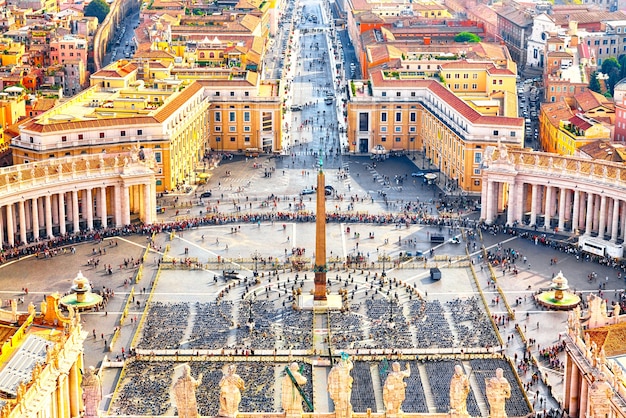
(319,295)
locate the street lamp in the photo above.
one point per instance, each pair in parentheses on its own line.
(384,258)
(250,316)
(255,257)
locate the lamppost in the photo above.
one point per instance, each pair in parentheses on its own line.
(384,258)
(255,257)
(250,316)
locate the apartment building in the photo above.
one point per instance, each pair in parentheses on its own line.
(178,122)
(68,48)
(397,112)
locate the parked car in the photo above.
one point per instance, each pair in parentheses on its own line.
(307,191)
(206,194)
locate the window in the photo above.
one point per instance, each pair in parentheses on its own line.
(474,86)
(398,94)
(231,117)
(478,157)
(495,133)
(398,129)
(80,136)
(218,116)
(217,93)
(456,86)
(63,139)
(457,76)
(218,129)
(398,139)
(513,134)
(476,182)
(247,93)
(475,76)
(232,94)
(101,134)
(232,129)
(383,129)
(383,117)
(494,82)
(384,94)
(157,157)
(412,116)
(477,171)
(447,75)
(363,122)
(412,129)
(232,139)
(246,129)
(139,132)
(123,133)
(412,94)
(383,139)
(465,86)
(159,182)
(246,116)
(398,117)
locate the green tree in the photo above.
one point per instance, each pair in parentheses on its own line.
(594,84)
(622,64)
(466,37)
(611,67)
(97,8)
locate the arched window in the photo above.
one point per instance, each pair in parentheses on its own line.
(212,55)
(202,55)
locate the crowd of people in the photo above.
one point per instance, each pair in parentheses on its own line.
(145,389)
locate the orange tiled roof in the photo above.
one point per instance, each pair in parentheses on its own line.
(589,99)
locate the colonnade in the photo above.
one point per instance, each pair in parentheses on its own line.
(560,193)
(35,204)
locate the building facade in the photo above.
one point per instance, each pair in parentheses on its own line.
(398,113)
(67,195)
(559,192)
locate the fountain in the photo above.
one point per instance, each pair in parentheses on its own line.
(558,297)
(81,297)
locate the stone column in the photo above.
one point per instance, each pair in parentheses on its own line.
(103,206)
(548,207)
(575,210)
(615,221)
(510,211)
(561,223)
(483,199)
(596,212)
(61,202)
(533,205)
(118,200)
(589,214)
(574,392)
(10,225)
(75,214)
(55,209)
(48,217)
(89,207)
(602,223)
(520,201)
(584,393)
(22,221)
(41,212)
(35,213)
(125,205)
(28,216)
(490,202)
(62,400)
(147,205)
(74,392)
(623,221)
(1,229)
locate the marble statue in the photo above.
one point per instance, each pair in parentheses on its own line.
(231,386)
(185,394)
(459,389)
(340,386)
(600,394)
(31,309)
(92,393)
(291,397)
(616,312)
(498,391)
(394,388)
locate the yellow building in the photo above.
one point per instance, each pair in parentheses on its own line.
(393,113)
(11,52)
(50,345)
(176,118)
(563,132)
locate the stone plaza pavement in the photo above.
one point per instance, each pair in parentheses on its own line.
(42,276)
